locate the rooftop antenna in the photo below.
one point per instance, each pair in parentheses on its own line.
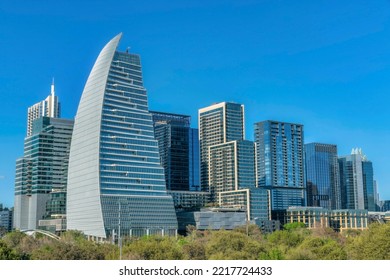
(52,87)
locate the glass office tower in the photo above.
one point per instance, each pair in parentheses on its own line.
(42,170)
(368,184)
(322,176)
(194,160)
(172,134)
(280,162)
(357,181)
(116,182)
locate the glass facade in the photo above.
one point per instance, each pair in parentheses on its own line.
(42,170)
(280,162)
(116,180)
(351,182)
(322,176)
(172,132)
(254,201)
(368,185)
(357,182)
(194,166)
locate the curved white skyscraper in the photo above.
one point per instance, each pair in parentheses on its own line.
(115,177)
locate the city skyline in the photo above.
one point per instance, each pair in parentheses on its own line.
(301,63)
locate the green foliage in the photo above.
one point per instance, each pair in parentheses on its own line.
(21,244)
(371,244)
(6,253)
(295,242)
(272,254)
(153,248)
(318,248)
(225,245)
(293,226)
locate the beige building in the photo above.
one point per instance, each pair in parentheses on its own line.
(339,220)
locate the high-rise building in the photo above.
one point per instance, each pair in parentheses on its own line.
(368,185)
(172,134)
(6,219)
(280,162)
(194,166)
(322,176)
(116,183)
(42,170)
(232,166)
(50,107)
(219,123)
(228,164)
(357,181)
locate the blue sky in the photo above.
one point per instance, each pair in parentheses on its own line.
(325,64)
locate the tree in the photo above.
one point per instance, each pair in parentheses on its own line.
(233,245)
(7,253)
(371,244)
(153,248)
(318,248)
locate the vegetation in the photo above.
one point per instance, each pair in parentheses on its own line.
(294,242)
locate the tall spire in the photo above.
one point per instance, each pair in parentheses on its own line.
(52,88)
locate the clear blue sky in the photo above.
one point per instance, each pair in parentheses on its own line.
(325,64)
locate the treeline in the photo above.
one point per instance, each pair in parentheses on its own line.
(295,242)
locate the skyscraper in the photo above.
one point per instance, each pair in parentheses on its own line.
(232,166)
(172,134)
(194,160)
(357,182)
(42,170)
(116,182)
(232,178)
(280,162)
(50,107)
(228,165)
(322,176)
(219,123)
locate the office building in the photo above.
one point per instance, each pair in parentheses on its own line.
(172,133)
(219,123)
(116,183)
(50,107)
(255,202)
(368,185)
(322,176)
(384,205)
(42,170)
(232,178)
(280,162)
(220,218)
(194,173)
(356,181)
(232,166)
(318,217)
(228,162)
(6,219)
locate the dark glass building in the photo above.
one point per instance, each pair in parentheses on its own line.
(322,176)
(172,131)
(280,162)
(194,160)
